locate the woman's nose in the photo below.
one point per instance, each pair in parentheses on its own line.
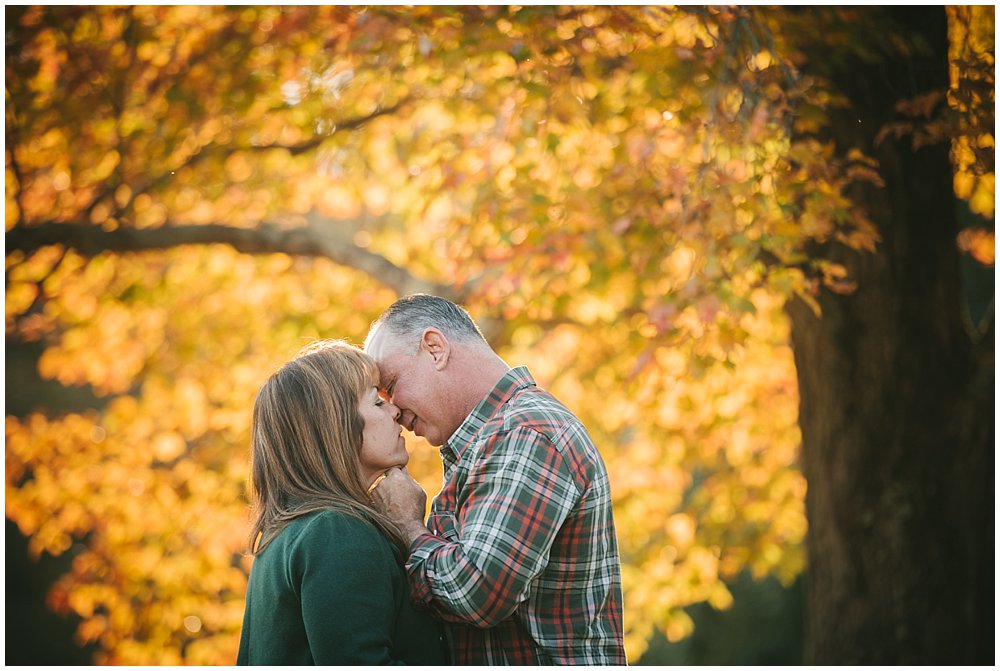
(394,411)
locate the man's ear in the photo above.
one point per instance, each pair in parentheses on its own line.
(437,345)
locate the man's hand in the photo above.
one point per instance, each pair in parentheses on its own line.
(400,497)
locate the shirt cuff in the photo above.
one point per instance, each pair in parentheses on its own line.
(422,546)
(418,571)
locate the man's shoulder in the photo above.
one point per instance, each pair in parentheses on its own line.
(535,417)
(534,403)
(533,408)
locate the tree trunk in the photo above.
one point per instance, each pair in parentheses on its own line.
(896,407)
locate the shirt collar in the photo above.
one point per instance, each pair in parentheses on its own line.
(513,381)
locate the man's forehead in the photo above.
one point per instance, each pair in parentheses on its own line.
(386,357)
(388,362)
(375,345)
(383,345)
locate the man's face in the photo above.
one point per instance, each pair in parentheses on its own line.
(411,382)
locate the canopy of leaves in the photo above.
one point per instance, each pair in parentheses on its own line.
(624,196)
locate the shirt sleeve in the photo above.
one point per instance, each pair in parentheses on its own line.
(518,493)
(345,573)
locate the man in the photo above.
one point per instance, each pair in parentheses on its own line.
(519,553)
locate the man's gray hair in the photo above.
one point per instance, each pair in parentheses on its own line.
(407,318)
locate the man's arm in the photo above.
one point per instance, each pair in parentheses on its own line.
(516,498)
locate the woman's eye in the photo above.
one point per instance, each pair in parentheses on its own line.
(379,403)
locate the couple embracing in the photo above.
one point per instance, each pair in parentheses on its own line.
(517,562)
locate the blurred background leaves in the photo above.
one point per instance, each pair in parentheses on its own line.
(626,198)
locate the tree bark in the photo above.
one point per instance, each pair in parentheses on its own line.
(319,239)
(896,406)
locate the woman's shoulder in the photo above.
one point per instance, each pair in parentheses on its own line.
(335,546)
(333,527)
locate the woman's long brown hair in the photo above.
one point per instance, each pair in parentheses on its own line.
(306,440)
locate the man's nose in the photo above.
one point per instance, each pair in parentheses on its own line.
(404,418)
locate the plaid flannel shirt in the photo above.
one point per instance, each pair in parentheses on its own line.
(522,561)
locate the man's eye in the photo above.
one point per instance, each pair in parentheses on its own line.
(385,394)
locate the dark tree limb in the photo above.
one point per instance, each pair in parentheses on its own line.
(267,238)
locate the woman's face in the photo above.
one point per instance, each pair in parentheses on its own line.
(382,444)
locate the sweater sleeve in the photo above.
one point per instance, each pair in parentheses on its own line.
(344,569)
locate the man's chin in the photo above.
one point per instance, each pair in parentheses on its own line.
(431,437)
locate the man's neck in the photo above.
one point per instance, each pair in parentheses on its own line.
(483,371)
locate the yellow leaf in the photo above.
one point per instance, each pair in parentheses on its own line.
(720,598)
(979,243)
(984,197)
(168,446)
(964,183)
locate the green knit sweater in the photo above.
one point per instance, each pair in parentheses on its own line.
(329,589)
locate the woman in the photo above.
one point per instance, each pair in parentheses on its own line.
(327,584)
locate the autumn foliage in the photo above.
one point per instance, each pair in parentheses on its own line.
(624,196)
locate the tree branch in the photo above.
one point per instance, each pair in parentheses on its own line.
(267,238)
